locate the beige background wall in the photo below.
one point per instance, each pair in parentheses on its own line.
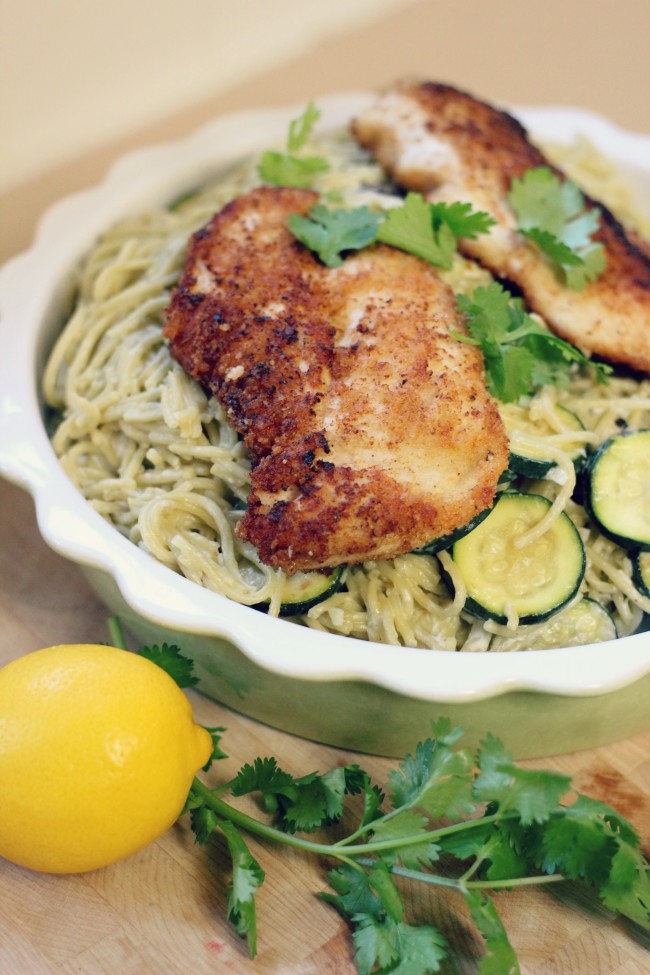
(78,73)
(81,81)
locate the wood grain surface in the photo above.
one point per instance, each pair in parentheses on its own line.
(163,910)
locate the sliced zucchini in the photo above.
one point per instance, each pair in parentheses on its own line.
(532,462)
(534,580)
(641,572)
(506,477)
(618,489)
(443,542)
(585,621)
(303,590)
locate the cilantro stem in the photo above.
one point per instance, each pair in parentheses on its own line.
(115,632)
(474,868)
(544,878)
(353,855)
(433,834)
(462,885)
(252,825)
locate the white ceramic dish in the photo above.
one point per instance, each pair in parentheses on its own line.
(346,692)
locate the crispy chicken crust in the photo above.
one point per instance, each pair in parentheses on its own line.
(370,427)
(449,146)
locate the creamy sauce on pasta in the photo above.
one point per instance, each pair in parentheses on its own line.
(158,459)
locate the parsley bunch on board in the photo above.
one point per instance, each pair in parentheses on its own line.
(291,168)
(552,213)
(504,827)
(520,354)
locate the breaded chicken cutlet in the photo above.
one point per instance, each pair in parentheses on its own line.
(370,427)
(449,146)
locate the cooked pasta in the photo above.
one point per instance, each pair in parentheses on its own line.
(158,459)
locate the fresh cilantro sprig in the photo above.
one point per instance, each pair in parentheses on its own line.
(247,874)
(291,168)
(302,127)
(169,658)
(427,230)
(552,213)
(412,228)
(498,826)
(520,354)
(303,803)
(431,230)
(329,233)
(504,827)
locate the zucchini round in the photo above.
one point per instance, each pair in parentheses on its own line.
(532,463)
(585,621)
(303,590)
(443,542)
(534,580)
(618,489)
(641,572)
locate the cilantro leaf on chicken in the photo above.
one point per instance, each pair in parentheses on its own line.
(553,214)
(427,230)
(329,233)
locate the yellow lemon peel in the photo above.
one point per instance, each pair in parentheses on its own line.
(98,749)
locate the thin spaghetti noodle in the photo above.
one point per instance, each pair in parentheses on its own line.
(157,458)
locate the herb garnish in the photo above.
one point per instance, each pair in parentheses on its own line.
(505,827)
(431,230)
(520,353)
(169,657)
(552,213)
(427,230)
(331,232)
(290,168)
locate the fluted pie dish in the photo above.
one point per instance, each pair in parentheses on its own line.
(352,693)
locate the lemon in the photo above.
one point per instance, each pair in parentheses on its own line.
(98,748)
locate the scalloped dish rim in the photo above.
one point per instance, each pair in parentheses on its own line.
(70,526)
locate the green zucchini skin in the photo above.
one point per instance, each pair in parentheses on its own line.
(641,572)
(536,468)
(585,621)
(617,494)
(521,466)
(581,486)
(446,541)
(305,589)
(495,571)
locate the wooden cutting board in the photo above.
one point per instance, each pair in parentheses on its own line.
(163,910)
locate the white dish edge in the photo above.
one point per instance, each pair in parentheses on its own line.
(70,526)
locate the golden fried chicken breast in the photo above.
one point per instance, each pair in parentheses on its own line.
(370,426)
(449,146)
